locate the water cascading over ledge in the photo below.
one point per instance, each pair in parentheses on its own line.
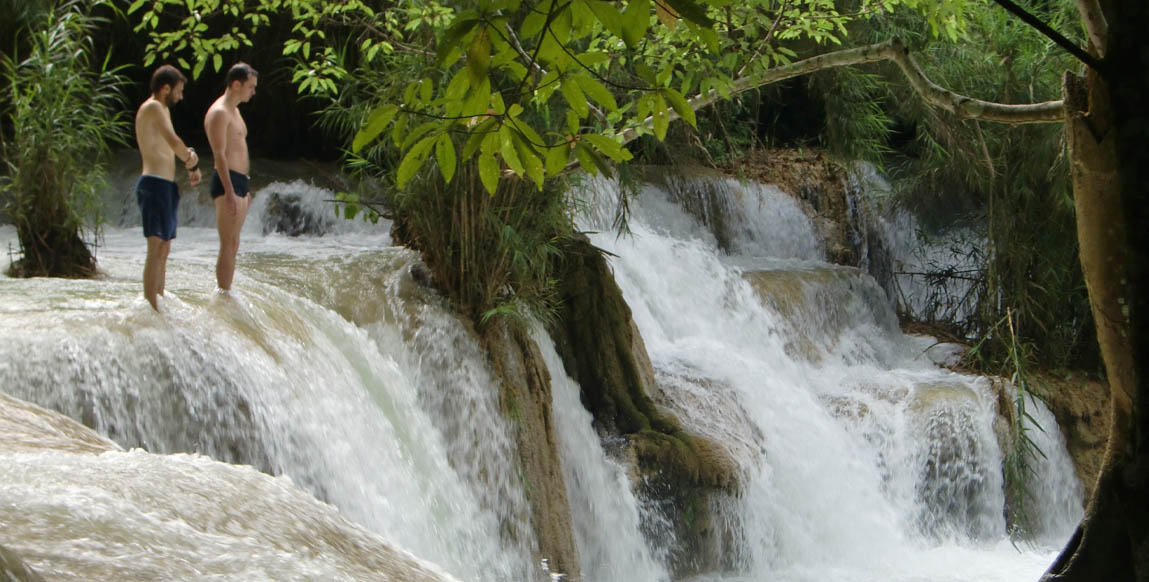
(862,459)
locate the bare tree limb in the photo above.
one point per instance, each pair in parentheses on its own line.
(1095,26)
(891,50)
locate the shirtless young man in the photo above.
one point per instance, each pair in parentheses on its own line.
(156,190)
(227,134)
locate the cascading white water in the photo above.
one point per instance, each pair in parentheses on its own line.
(931,276)
(275,375)
(603,508)
(330,365)
(79,508)
(865,461)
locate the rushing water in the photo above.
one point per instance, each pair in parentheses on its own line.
(865,461)
(332,368)
(315,367)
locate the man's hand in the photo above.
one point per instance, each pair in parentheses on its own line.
(193,159)
(194,177)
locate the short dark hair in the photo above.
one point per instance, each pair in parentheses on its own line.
(166,75)
(240,72)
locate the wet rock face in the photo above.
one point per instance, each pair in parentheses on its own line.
(287,215)
(954,483)
(674,471)
(525,398)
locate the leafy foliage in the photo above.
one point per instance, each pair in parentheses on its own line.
(533,87)
(1010,182)
(68,113)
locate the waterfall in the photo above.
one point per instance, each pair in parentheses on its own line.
(331,369)
(864,460)
(603,508)
(931,276)
(80,508)
(306,370)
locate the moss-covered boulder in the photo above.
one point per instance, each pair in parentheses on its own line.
(602,350)
(525,398)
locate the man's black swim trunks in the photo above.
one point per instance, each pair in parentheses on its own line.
(238,182)
(159,200)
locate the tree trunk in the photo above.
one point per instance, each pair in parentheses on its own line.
(1110,176)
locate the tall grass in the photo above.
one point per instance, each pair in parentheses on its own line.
(65,111)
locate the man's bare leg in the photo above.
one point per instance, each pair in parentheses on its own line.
(165,248)
(229,227)
(154,268)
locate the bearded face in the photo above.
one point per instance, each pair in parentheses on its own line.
(175,95)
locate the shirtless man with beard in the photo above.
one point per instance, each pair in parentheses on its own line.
(156,190)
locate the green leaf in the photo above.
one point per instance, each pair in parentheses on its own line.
(476,138)
(661,116)
(557,158)
(645,73)
(533,23)
(635,21)
(489,173)
(507,149)
(479,99)
(479,57)
(399,129)
(413,161)
(692,11)
(680,105)
(575,98)
(445,155)
(608,146)
(572,122)
(585,158)
(531,162)
(547,86)
(597,92)
(376,122)
(217,62)
(451,39)
(608,15)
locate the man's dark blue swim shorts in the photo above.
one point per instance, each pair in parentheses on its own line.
(238,182)
(159,199)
